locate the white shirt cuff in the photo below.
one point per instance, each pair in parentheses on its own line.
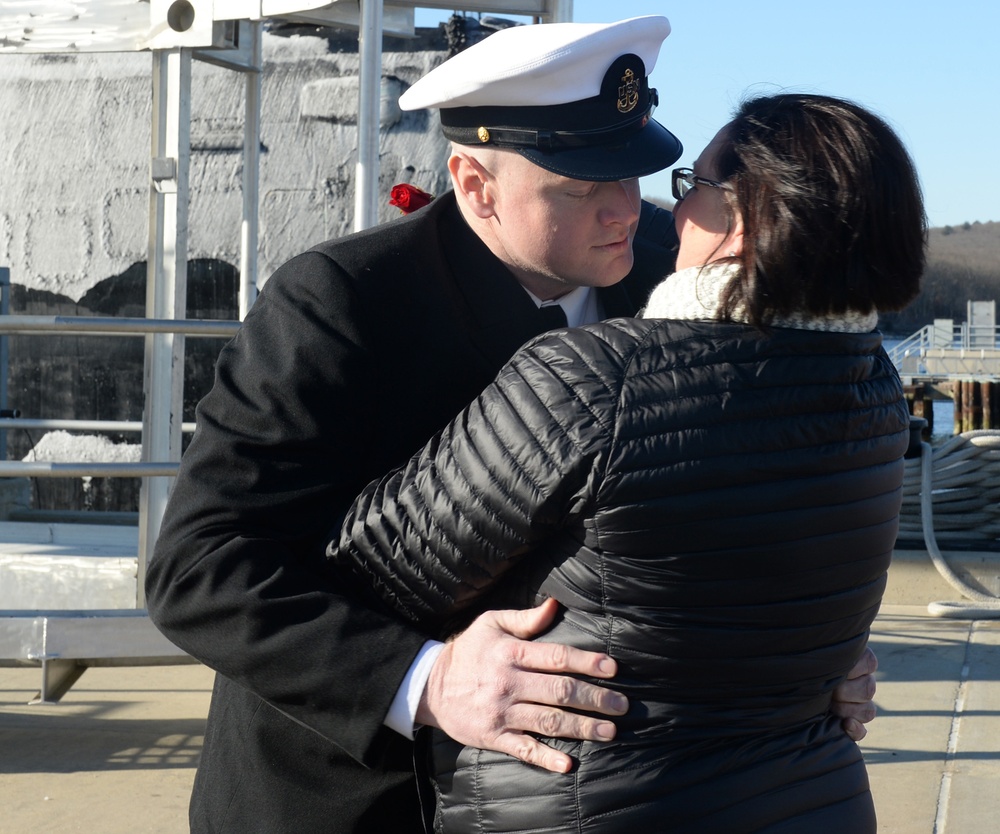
(403,710)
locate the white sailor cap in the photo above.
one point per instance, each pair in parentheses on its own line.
(573,98)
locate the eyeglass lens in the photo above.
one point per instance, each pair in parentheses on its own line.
(682,183)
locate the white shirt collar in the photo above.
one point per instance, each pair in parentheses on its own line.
(576,305)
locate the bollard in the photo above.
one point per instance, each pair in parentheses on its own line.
(918,430)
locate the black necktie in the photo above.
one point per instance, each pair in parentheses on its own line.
(553,315)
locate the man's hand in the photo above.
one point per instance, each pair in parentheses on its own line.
(490,687)
(852,700)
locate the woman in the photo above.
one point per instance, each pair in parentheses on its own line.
(712,493)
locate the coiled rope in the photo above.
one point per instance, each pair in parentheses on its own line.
(955,489)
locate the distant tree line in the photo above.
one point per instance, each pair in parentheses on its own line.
(947,289)
(963,264)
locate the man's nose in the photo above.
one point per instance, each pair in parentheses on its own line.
(627,201)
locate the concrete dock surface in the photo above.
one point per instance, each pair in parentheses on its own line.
(117,755)
(933,752)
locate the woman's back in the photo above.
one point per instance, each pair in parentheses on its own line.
(731,558)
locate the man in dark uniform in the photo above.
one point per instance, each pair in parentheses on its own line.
(353,355)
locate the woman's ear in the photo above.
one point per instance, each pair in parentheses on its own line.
(473,184)
(733,245)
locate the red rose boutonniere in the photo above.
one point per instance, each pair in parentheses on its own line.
(409,198)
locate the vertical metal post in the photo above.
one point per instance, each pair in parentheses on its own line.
(370,82)
(562,11)
(4,353)
(166,286)
(251,173)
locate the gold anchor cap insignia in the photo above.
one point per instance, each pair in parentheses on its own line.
(628,92)
(483,134)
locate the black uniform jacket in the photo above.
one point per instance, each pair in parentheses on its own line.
(716,508)
(353,355)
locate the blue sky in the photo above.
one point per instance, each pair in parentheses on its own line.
(932,70)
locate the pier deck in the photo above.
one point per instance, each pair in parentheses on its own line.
(124,739)
(129,738)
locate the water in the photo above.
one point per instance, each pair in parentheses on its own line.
(944,420)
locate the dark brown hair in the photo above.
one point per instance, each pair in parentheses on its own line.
(831,206)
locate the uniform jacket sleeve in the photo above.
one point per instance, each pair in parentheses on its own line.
(281,436)
(519,464)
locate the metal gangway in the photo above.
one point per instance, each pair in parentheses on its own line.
(949,350)
(63,643)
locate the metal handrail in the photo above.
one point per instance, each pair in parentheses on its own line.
(78,425)
(116,326)
(84,469)
(908,356)
(912,345)
(97,326)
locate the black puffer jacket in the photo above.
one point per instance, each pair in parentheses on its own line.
(716,508)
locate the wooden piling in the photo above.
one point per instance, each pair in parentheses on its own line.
(920,404)
(977,405)
(972,406)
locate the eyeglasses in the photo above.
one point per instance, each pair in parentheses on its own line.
(682,180)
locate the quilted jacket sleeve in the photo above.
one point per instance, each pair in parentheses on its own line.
(521,462)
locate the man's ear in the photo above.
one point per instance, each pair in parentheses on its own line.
(473,184)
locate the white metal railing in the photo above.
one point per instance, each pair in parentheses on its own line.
(65,643)
(84,469)
(98,326)
(14,421)
(111,325)
(227,33)
(946,349)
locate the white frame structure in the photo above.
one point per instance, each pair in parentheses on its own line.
(228,33)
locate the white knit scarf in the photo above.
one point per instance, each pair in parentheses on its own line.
(695,294)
